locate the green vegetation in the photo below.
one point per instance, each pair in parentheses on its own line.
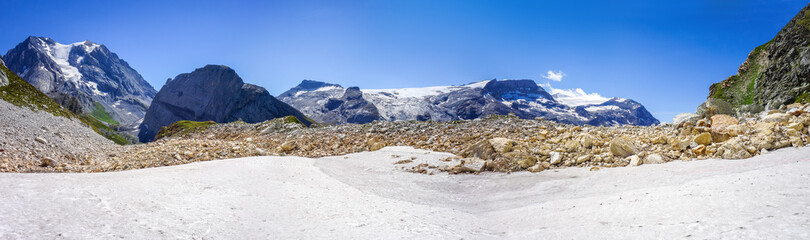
(101,114)
(805,20)
(740,89)
(22,94)
(803,98)
(182,128)
(292,119)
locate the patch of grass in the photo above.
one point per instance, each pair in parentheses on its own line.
(805,20)
(22,94)
(182,127)
(803,98)
(101,114)
(292,119)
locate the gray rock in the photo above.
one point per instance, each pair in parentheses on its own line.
(41,140)
(212,93)
(685,117)
(555,158)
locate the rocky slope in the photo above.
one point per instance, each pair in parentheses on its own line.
(212,93)
(37,134)
(774,74)
(84,77)
(523,98)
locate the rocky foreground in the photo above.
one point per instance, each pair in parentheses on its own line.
(497,143)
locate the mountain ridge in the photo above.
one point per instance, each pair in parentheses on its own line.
(524,98)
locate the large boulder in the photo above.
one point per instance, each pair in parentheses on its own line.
(685,117)
(212,93)
(623,147)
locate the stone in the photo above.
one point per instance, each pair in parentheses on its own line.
(722,121)
(587,141)
(703,139)
(526,162)
(41,140)
(482,150)
(659,140)
(634,161)
(536,168)
(47,162)
(796,126)
(714,106)
(376,146)
(583,158)
(288,146)
(623,147)
(503,145)
(776,117)
(736,130)
(555,158)
(654,159)
(699,150)
(684,117)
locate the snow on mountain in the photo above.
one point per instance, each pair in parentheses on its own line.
(575,97)
(85,76)
(523,98)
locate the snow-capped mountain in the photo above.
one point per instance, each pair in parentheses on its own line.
(84,77)
(523,98)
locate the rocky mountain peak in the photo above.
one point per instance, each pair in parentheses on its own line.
(212,93)
(515,89)
(85,77)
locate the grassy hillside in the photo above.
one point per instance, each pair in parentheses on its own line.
(20,93)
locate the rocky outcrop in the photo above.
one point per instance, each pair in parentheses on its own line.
(523,98)
(85,73)
(774,74)
(350,108)
(3,77)
(212,93)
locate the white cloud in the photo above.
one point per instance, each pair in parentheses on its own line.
(554,76)
(574,97)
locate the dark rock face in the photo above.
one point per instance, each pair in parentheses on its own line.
(84,72)
(775,73)
(3,77)
(212,93)
(524,98)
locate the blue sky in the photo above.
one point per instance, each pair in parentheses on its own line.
(664,54)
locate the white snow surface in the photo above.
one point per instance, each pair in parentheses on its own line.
(602,108)
(365,196)
(423,91)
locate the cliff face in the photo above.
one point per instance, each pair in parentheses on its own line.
(212,93)
(775,73)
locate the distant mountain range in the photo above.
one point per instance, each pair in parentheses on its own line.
(331,103)
(84,77)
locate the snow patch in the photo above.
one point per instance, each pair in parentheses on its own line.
(575,97)
(602,108)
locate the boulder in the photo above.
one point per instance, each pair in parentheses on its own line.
(685,117)
(587,140)
(583,158)
(776,117)
(722,121)
(654,159)
(288,146)
(733,149)
(482,150)
(623,147)
(502,145)
(555,158)
(703,139)
(714,106)
(634,161)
